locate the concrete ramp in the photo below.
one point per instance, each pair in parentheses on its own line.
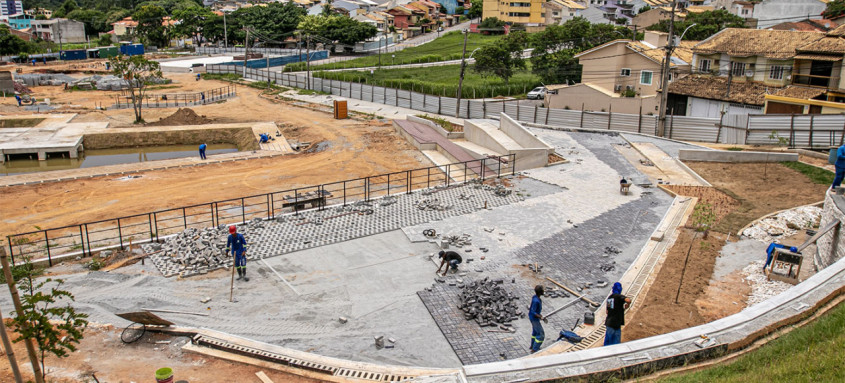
(673,171)
(507,136)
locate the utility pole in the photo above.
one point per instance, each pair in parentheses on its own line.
(225,33)
(246,49)
(10,352)
(461,80)
(664,74)
(16,300)
(308,62)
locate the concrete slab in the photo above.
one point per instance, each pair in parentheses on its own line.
(668,165)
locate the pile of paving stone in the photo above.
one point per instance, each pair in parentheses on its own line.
(199,251)
(41,79)
(489,304)
(432,204)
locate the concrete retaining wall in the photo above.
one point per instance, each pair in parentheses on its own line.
(519,134)
(831,246)
(476,135)
(242,137)
(729,156)
(437,128)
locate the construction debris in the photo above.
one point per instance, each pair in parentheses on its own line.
(433,204)
(784,224)
(761,287)
(201,251)
(458,240)
(489,304)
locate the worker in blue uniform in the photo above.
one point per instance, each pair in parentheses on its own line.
(770,252)
(535,316)
(202,151)
(237,245)
(840,168)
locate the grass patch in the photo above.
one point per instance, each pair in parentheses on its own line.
(817,175)
(308,92)
(446,47)
(264,85)
(445,124)
(20,122)
(221,76)
(734,149)
(813,353)
(441,81)
(160,87)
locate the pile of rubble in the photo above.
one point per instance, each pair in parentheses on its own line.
(487,302)
(784,224)
(761,287)
(107,82)
(433,204)
(458,240)
(199,251)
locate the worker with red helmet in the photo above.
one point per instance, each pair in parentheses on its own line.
(237,245)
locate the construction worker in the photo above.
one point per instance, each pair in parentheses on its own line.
(535,316)
(18,99)
(451,258)
(237,245)
(616,305)
(202,152)
(840,168)
(770,252)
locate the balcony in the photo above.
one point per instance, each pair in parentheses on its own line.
(814,80)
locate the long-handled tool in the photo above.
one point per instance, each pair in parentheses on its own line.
(585,299)
(555,311)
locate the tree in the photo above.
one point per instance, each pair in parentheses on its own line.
(342,29)
(459,10)
(138,71)
(11,44)
(555,47)
(94,20)
(41,304)
(476,9)
(644,8)
(502,59)
(104,40)
(192,22)
(275,21)
(707,24)
(67,7)
(834,8)
(327,9)
(150,29)
(492,25)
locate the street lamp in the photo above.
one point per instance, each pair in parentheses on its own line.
(394,59)
(685,32)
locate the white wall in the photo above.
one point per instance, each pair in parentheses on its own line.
(780,9)
(702,107)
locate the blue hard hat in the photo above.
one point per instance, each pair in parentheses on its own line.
(793,249)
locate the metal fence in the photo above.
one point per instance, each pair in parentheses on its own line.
(169,100)
(266,51)
(85,238)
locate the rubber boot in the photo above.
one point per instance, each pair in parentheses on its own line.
(240,274)
(246,278)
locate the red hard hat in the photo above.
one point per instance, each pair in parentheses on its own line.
(232,229)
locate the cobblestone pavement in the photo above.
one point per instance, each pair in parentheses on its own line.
(587,232)
(670,147)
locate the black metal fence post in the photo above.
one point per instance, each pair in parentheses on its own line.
(120,234)
(155,224)
(428,178)
(184,218)
(243,211)
(88,239)
(388,183)
(482,170)
(47,242)
(81,240)
(448,173)
(150,221)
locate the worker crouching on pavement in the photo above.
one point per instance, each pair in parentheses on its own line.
(616,305)
(451,258)
(237,244)
(538,335)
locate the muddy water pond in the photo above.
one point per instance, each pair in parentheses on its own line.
(20,164)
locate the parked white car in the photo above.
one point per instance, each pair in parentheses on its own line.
(537,93)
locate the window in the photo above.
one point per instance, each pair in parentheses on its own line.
(626,72)
(776,72)
(737,69)
(645,77)
(704,66)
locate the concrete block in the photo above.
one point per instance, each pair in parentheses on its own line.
(342,319)
(734,157)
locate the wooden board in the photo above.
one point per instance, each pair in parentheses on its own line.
(145,318)
(264,378)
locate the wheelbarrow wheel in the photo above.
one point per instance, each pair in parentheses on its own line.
(133,332)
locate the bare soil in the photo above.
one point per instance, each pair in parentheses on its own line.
(182,116)
(351,149)
(760,188)
(683,294)
(102,353)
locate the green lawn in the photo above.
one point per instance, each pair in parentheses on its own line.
(441,81)
(447,47)
(817,175)
(813,353)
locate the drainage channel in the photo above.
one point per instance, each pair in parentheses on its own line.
(252,352)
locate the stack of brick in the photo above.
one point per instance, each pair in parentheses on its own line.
(489,304)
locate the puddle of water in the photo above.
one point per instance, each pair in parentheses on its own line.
(102,157)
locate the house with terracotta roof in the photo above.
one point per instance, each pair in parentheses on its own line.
(405,20)
(622,76)
(561,11)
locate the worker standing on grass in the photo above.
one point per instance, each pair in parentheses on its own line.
(237,245)
(616,305)
(538,335)
(202,151)
(840,168)
(451,258)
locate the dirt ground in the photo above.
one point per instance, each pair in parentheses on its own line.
(683,293)
(102,353)
(780,188)
(354,148)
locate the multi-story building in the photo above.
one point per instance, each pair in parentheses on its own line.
(10,7)
(528,12)
(59,30)
(561,11)
(39,12)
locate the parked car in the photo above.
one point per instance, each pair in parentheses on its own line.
(537,93)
